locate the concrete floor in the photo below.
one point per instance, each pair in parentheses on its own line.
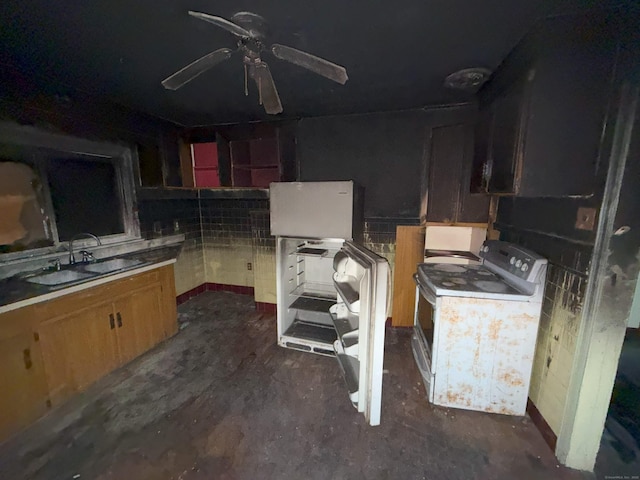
(221,400)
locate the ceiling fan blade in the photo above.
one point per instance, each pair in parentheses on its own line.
(266,88)
(311,62)
(222,23)
(194,69)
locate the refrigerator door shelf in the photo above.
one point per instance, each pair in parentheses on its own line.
(346,325)
(348,289)
(350,368)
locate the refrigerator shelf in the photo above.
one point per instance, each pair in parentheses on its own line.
(312,252)
(312,332)
(312,304)
(323,291)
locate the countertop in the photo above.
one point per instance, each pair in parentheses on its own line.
(17,292)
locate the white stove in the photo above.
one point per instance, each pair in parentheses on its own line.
(476,326)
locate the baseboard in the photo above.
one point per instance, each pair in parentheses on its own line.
(213,287)
(220,287)
(542,425)
(266,307)
(183,297)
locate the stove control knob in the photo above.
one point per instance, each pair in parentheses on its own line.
(524,267)
(512,260)
(518,263)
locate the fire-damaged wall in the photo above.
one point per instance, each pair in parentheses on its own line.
(547,226)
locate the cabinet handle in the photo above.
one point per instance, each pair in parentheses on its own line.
(112,322)
(119,317)
(26,356)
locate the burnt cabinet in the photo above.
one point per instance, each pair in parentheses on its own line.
(52,350)
(542,114)
(505,147)
(247,156)
(448,151)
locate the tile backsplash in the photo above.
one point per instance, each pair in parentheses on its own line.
(559,320)
(159,217)
(228,241)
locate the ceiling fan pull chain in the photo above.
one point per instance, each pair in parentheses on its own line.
(246,85)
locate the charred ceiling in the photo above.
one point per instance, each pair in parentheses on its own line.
(397,54)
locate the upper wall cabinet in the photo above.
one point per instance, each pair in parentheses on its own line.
(542,114)
(242,156)
(448,151)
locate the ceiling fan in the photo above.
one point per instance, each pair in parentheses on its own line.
(250,30)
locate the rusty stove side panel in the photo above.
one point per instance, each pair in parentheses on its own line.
(485,354)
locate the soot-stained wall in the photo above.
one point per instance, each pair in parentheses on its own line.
(383,152)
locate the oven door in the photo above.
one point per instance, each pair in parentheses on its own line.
(423,335)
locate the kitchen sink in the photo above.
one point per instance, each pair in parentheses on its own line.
(60,277)
(112,265)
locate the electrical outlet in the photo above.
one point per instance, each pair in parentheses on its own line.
(249,266)
(586,218)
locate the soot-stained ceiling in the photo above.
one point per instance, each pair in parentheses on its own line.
(397,54)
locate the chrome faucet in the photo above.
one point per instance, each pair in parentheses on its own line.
(72,258)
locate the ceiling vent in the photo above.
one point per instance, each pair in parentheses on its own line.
(469,79)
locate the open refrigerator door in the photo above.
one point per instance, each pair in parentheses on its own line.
(361,280)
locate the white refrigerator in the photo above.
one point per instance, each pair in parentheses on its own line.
(332,292)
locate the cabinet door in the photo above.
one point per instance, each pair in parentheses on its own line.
(139,322)
(169,307)
(24,389)
(481,160)
(505,140)
(449,197)
(78,349)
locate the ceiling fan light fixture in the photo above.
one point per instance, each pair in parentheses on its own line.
(250,28)
(468,79)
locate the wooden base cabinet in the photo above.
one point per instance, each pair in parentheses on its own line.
(72,341)
(23,387)
(77,349)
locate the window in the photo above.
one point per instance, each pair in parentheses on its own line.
(54,187)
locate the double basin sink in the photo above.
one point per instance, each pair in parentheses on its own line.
(81,272)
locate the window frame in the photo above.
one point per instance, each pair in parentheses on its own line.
(120,155)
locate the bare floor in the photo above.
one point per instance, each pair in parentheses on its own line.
(221,400)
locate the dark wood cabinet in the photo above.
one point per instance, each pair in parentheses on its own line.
(256,155)
(505,146)
(542,114)
(448,154)
(247,156)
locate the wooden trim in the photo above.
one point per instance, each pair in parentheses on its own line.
(409,253)
(186,164)
(455,224)
(542,425)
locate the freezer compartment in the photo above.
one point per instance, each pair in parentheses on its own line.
(316,209)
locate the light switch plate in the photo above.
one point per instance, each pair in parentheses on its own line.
(586,218)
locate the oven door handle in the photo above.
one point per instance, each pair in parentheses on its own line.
(427,294)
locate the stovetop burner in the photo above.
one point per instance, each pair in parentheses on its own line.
(463,280)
